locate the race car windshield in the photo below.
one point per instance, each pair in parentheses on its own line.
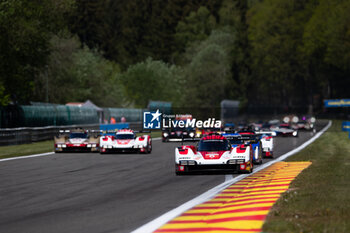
(78,135)
(124,136)
(284,126)
(213,145)
(179,129)
(236,141)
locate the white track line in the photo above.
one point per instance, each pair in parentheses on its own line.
(163,219)
(27,156)
(45,154)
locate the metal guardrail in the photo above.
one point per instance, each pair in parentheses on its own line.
(16,136)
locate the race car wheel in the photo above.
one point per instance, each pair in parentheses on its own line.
(103,151)
(260,154)
(150,146)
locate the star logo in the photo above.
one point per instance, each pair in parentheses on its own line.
(151,120)
(155,115)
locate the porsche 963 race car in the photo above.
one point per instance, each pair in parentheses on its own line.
(125,140)
(213,153)
(77,140)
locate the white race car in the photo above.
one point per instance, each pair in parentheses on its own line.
(214,152)
(125,140)
(285,130)
(267,143)
(267,146)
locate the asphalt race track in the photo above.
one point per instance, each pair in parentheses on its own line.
(95,193)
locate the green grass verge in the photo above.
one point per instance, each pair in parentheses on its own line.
(319,198)
(39,147)
(26,149)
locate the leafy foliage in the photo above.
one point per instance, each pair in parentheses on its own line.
(151,80)
(25,29)
(78,74)
(208,73)
(190,52)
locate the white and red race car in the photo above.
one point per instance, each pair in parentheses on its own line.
(125,140)
(213,153)
(77,140)
(267,143)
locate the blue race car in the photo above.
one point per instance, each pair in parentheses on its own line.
(244,138)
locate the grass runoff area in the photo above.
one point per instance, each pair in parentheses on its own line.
(319,198)
(39,147)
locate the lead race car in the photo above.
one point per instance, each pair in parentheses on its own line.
(213,153)
(125,140)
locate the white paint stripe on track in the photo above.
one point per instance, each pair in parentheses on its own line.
(27,156)
(163,219)
(44,154)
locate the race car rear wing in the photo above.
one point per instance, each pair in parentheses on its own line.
(269,133)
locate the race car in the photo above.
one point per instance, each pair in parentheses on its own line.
(178,134)
(267,143)
(306,123)
(77,140)
(202,132)
(213,153)
(247,137)
(285,130)
(125,140)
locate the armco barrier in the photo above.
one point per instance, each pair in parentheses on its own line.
(16,136)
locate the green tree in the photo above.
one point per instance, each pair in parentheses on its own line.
(327,47)
(75,73)
(194,28)
(25,30)
(275,35)
(151,80)
(208,73)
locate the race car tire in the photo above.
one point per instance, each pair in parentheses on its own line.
(165,139)
(179,173)
(104,152)
(260,154)
(260,159)
(150,146)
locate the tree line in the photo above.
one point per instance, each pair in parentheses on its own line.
(190,52)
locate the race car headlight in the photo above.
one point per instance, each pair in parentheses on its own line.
(295,133)
(295,119)
(184,133)
(109,147)
(198,135)
(59,145)
(191,135)
(236,161)
(64,145)
(93,145)
(187,162)
(89,145)
(165,135)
